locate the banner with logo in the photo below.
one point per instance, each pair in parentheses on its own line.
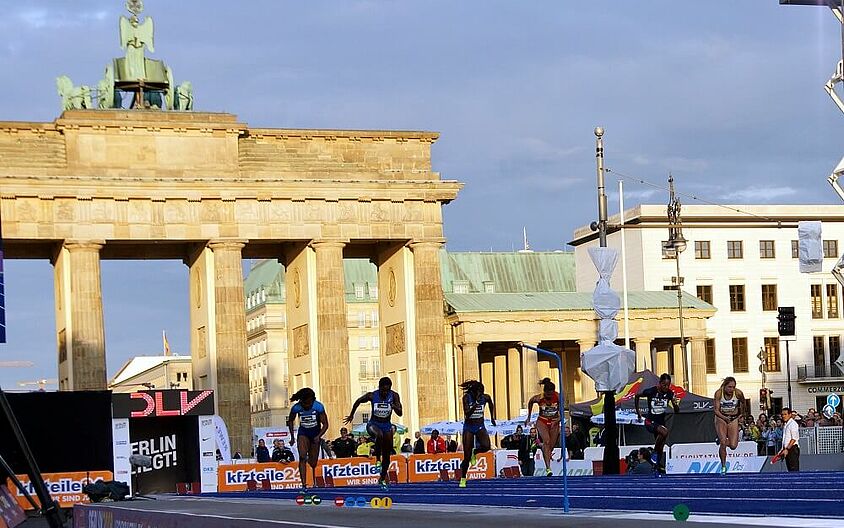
(506,458)
(358,471)
(233,477)
(750,464)
(574,468)
(65,488)
(709,450)
(426,468)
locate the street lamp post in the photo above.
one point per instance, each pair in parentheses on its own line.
(675,245)
(611,464)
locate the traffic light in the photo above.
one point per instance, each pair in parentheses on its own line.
(786,319)
(765,398)
(761,356)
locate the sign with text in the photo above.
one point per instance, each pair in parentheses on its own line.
(752,464)
(358,471)
(162,404)
(709,451)
(65,488)
(426,468)
(172,445)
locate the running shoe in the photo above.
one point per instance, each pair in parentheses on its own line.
(462,483)
(383,484)
(473,459)
(655,458)
(378,465)
(723,470)
(548,472)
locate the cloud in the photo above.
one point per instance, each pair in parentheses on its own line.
(42,18)
(536,148)
(759,194)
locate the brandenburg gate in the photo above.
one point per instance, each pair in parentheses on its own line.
(210,191)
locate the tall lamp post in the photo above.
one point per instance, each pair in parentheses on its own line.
(611,464)
(672,248)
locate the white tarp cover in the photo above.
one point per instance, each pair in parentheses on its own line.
(608,364)
(810,246)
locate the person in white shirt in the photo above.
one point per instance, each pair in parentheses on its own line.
(790,436)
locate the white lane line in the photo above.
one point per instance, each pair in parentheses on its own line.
(231,518)
(788,522)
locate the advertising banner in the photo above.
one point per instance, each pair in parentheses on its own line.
(575,468)
(233,477)
(709,450)
(750,464)
(162,404)
(65,488)
(207,455)
(426,468)
(11,514)
(171,443)
(505,458)
(358,471)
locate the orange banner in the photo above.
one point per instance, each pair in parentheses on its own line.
(426,468)
(65,488)
(358,471)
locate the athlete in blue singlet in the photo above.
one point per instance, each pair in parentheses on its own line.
(474,401)
(658,398)
(313,423)
(384,401)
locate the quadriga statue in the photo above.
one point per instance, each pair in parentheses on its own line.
(73,97)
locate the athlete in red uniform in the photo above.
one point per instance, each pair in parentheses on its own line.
(548,423)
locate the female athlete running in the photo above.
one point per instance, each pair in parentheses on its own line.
(313,423)
(729,407)
(548,423)
(474,400)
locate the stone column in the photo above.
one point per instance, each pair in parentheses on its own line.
(487,378)
(698,367)
(661,362)
(232,390)
(471,363)
(514,382)
(81,334)
(500,363)
(333,333)
(430,341)
(587,384)
(530,374)
(643,352)
(679,374)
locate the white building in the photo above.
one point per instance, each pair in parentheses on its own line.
(153,372)
(745,264)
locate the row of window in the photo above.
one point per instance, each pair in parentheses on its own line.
(369,368)
(362,288)
(769,298)
(770,353)
(362,319)
(767,249)
(256,298)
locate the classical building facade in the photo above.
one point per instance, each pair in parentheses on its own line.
(209,190)
(266,333)
(493,301)
(745,264)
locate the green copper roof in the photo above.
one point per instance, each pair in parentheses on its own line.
(554,301)
(509,272)
(269,274)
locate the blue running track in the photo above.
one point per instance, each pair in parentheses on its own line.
(818,494)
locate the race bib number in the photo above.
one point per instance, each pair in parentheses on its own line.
(382,410)
(308,421)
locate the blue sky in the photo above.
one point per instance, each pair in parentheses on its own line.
(727,95)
